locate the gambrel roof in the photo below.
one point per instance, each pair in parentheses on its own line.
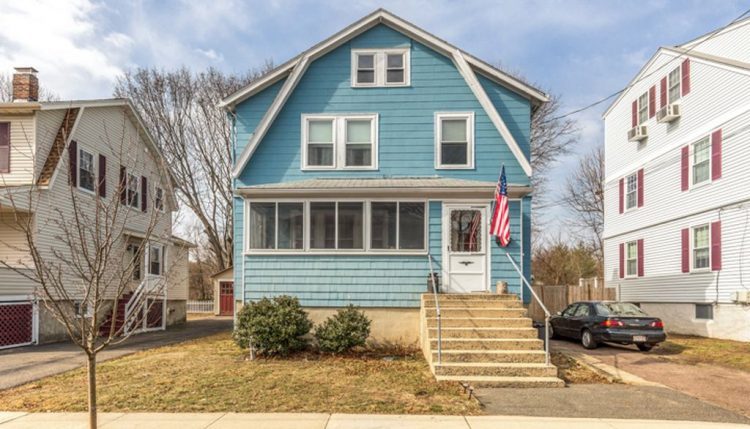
(294,69)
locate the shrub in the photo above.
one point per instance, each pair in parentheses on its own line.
(343,331)
(275,326)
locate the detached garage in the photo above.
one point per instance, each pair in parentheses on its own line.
(224,292)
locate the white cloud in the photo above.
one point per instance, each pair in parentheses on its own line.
(210,54)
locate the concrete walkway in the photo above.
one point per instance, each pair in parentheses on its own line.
(330,421)
(724,387)
(26,364)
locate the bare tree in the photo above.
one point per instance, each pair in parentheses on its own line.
(584,196)
(556,262)
(6,90)
(83,273)
(180,110)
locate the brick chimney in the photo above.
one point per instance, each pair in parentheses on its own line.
(25,84)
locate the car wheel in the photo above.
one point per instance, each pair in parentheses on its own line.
(587,340)
(645,347)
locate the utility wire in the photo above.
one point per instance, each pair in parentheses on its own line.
(680,56)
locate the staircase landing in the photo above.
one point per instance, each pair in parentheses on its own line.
(487,341)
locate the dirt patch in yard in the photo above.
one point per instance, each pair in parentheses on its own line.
(713,351)
(572,372)
(212,375)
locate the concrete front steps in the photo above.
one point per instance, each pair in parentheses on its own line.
(487,341)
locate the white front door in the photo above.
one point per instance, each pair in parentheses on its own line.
(465,264)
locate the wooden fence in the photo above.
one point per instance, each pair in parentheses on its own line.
(556,298)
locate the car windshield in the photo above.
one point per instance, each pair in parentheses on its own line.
(618,309)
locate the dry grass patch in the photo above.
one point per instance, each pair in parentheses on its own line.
(212,375)
(712,351)
(572,372)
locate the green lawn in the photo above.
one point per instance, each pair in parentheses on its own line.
(211,374)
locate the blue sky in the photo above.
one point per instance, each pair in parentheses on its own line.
(581,50)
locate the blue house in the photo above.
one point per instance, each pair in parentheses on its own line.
(367,159)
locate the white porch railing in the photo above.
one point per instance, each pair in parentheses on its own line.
(434,281)
(195,306)
(136,310)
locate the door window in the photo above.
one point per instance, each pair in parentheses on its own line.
(466,231)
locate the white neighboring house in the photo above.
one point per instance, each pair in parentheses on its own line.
(43,145)
(677,186)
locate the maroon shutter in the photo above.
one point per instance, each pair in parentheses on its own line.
(102,185)
(4,147)
(686,77)
(622,195)
(123,186)
(716,155)
(663,91)
(640,188)
(716,246)
(622,260)
(634,115)
(686,250)
(640,258)
(652,101)
(144,194)
(685,168)
(73,162)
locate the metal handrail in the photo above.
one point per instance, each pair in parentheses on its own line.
(437,309)
(541,304)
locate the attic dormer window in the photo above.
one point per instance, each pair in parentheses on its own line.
(380,67)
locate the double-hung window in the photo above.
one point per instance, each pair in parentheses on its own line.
(701,257)
(631,259)
(397,225)
(380,67)
(155,260)
(134,252)
(159,198)
(337,225)
(339,142)
(86,170)
(674,82)
(133,195)
(631,191)
(643,108)
(276,226)
(454,140)
(701,161)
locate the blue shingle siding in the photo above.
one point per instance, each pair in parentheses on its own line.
(406,148)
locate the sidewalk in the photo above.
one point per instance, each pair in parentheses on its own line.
(330,421)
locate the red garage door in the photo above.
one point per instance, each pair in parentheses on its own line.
(16,323)
(226,298)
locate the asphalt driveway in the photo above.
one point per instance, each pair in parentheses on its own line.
(25,364)
(727,388)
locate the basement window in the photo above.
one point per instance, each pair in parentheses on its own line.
(704,311)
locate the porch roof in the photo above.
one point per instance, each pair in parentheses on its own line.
(432,187)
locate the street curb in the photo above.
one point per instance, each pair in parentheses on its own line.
(612,374)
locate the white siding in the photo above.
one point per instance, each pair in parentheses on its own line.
(718,99)
(730,43)
(21,150)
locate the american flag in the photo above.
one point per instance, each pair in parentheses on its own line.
(500,224)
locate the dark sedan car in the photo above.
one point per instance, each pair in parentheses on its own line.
(594,322)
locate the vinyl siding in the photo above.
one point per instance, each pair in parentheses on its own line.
(22,151)
(732,43)
(12,245)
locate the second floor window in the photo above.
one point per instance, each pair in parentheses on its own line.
(133,196)
(380,67)
(631,191)
(339,142)
(86,172)
(454,140)
(155,257)
(643,108)
(674,85)
(701,247)
(4,147)
(159,198)
(701,169)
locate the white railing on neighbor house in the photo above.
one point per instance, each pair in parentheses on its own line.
(541,305)
(136,310)
(195,306)
(434,281)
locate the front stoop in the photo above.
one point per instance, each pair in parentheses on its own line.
(487,341)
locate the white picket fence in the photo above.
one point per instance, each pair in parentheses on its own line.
(194,306)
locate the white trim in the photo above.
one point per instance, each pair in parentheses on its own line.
(637,260)
(380,67)
(382,16)
(625,192)
(470,127)
(489,108)
(21,299)
(446,208)
(691,163)
(338,135)
(691,246)
(94,166)
(643,108)
(306,228)
(163,197)
(138,192)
